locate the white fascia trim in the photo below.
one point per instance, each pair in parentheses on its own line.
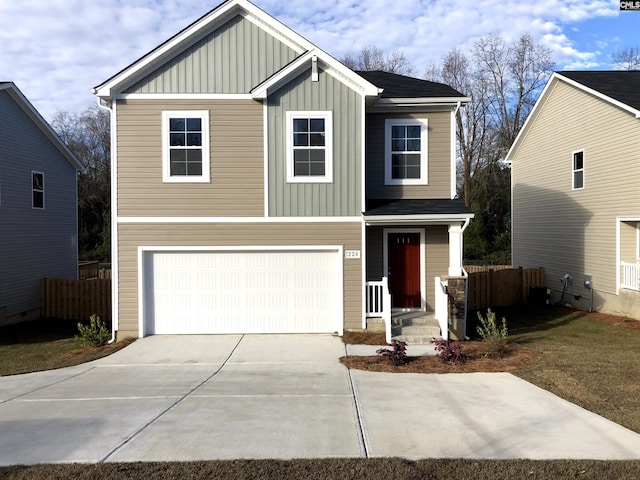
(363,264)
(449,101)
(265,146)
(417,219)
(130,220)
(330,66)
(454,113)
(280,78)
(183,96)
(530,118)
(601,96)
(245,248)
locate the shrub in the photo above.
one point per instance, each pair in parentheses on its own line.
(398,355)
(449,352)
(495,336)
(95,334)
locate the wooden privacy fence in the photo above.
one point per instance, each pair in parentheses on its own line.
(75,299)
(502,288)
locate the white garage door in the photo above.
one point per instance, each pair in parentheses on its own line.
(242,292)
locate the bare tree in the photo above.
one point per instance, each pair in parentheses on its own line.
(503,80)
(87,134)
(371,57)
(627,58)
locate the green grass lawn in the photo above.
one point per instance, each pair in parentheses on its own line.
(586,361)
(43,345)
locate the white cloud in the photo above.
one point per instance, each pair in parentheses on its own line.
(57,50)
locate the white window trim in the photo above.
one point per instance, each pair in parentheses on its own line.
(34,172)
(638,241)
(328,147)
(206,153)
(424,150)
(574,170)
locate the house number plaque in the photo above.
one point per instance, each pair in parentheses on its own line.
(352,254)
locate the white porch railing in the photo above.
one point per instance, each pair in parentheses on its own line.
(631,276)
(378,300)
(442,307)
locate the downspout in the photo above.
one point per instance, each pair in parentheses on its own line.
(108,109)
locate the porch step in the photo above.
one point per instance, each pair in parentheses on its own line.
(415,328)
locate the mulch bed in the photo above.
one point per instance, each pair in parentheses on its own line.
(516,357)
(98,352)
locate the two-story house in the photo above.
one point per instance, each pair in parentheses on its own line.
(260,185)
(38,206)
(576,201)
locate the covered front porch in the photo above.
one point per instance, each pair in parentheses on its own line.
(413,249)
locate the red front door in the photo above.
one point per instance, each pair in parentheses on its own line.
(404,270)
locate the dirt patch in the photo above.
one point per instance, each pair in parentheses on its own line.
(362,337)
(517,356)
(615,320)
(97,352)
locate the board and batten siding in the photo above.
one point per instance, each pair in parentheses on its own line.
(438,157)
(34,243)
(342,197)
(237,161)
(131,236)
(574,231)
(234,58)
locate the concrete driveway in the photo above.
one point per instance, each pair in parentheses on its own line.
(283,396)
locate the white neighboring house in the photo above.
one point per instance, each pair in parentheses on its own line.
(576,193)
(38,206)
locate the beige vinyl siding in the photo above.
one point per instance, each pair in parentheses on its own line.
(232,59)
(438,161)
(436,256)
(574,231)
(131,236)
(237,161)
(342,197)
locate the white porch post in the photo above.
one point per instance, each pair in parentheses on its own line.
(455,250)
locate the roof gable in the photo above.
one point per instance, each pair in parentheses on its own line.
(614,87)
(201,28)
(18,97)
(620,85)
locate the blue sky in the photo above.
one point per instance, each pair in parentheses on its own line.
(57,50)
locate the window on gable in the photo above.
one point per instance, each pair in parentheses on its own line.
(578,170)
(309,147)
(37,190)
(185,146)
(406,151)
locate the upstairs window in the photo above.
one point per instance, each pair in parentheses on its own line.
(185,146)
(578,170)
(37,190)
(406,152)
(309,147)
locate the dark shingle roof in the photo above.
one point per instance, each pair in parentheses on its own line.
(620,85)
(400,86)
(439,206)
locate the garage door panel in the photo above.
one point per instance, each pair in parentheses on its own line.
(242,292)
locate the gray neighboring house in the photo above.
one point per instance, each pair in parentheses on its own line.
(38,206)
(576,200)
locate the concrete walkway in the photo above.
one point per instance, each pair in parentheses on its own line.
(283,396)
